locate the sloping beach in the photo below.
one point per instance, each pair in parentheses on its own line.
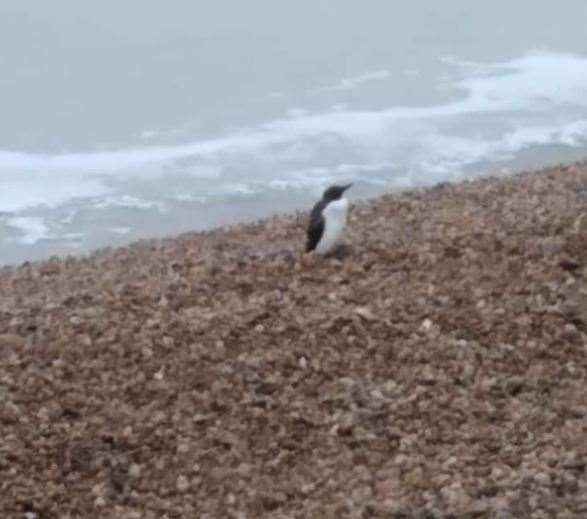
(437,368)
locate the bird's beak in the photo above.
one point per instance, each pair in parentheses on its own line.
(344,188)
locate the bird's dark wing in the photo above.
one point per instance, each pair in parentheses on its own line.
(316,226)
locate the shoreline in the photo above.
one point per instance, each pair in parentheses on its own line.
(438,367)
(95,229)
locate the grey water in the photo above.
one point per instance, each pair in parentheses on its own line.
(128,120)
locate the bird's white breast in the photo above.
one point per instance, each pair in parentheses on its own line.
(335,217)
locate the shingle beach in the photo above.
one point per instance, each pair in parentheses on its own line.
(436,368)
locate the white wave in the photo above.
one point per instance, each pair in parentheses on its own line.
(353,82)
(571,134)
(188,198)
(126,201)
(23,189)
(153,134)
(539,98)
(73,236)
(31,229)
(121,230)
(319,176)
(535,81)
(244,189)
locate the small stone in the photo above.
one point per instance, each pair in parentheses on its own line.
(426,324)
(389,488)
(134,470)
(542,478)
(580,225)
(489,383)
(477,508)
(9,412)
(98,489)
(365,313)
(183,448)
(503,513)
(568,264)
(245,469)
(86,340)
(570,331)
(11,341)
(456,496)
(43,414)
(182,484)
(514,385)
(573,461)
(159,417)
(427,376)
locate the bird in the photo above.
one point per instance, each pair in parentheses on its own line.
(327,220)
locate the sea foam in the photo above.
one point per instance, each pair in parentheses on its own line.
(497,110)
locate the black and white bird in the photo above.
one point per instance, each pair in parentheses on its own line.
(328,220)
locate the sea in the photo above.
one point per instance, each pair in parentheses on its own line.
(125,120)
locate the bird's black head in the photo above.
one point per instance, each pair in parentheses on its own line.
(335,192)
